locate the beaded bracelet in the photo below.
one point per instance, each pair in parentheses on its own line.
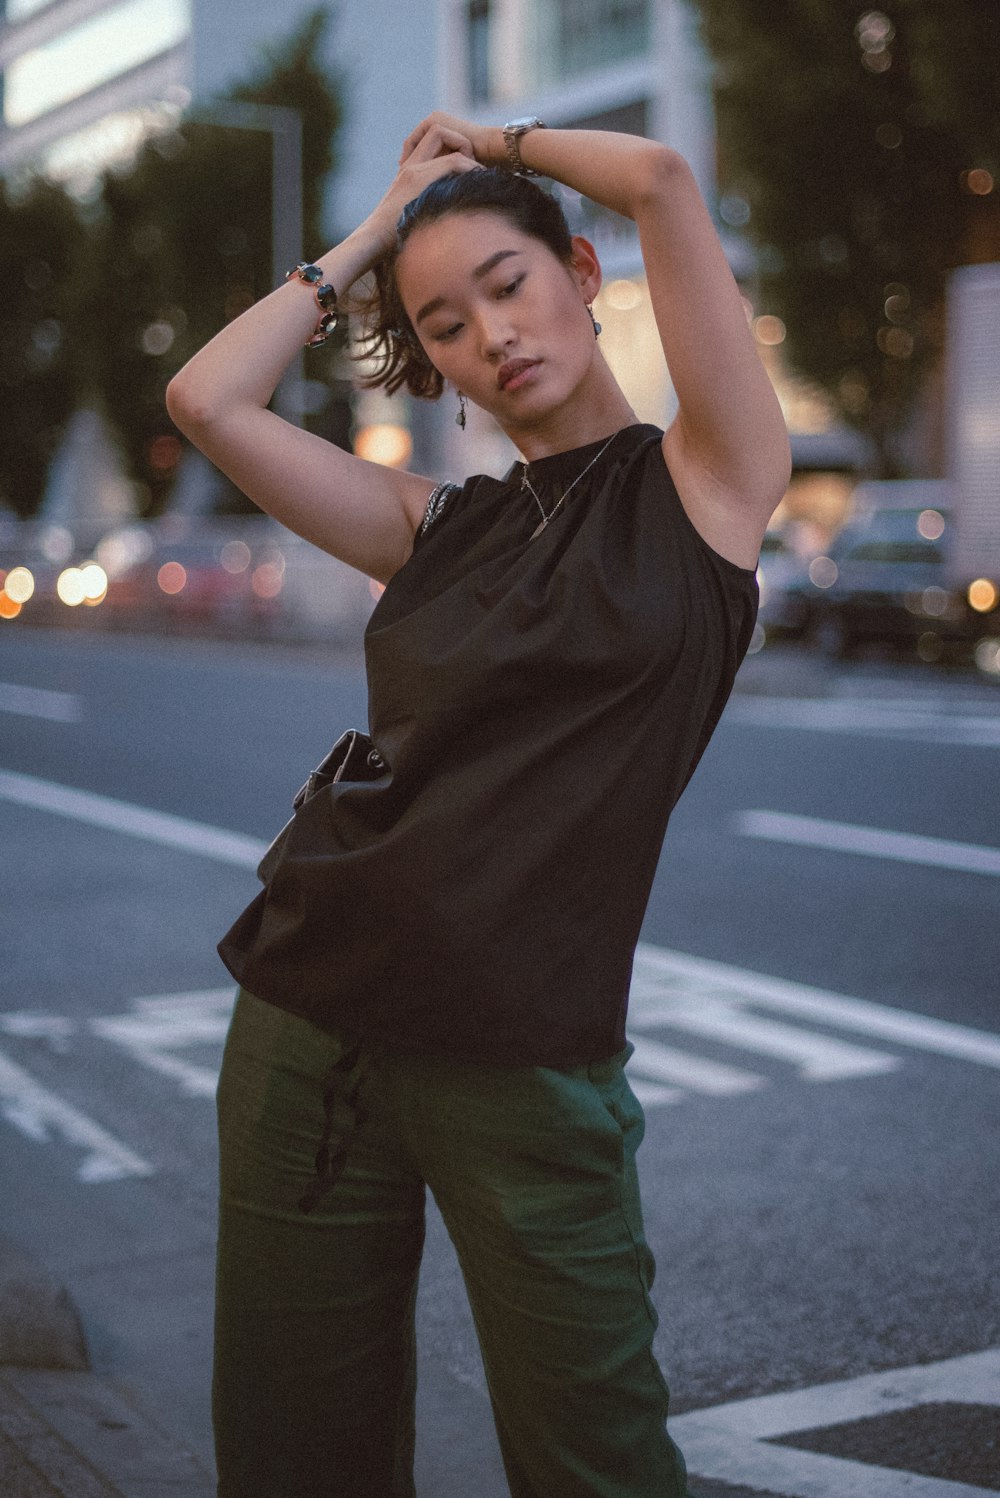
(326,297)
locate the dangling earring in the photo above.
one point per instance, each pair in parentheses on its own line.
(460,418)
(597,326)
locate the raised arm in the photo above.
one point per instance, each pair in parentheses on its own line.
(362,512)
(728,447)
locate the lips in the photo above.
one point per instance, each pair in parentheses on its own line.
(512,370)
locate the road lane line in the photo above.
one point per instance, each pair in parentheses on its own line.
(870,842)
(913,723)
(665,1064)
(665,973)
(136,821)
(40,702)
(37,1112)
(729,1442)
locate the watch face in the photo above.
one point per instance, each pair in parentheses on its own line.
(518,127)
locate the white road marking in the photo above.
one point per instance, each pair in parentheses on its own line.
(819,1058)
(159,1026)
(665,1063)
(38,1113)
(55,1028)
(727,1443)
(662,977)
(918,721)
(870,842)
(136,821)
(40,702)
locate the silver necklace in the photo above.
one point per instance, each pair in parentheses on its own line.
(527,484)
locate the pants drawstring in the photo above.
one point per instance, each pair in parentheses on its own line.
(342,1113)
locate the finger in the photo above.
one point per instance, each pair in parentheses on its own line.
(439,140)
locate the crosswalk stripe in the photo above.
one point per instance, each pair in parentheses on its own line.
(820,1058)
(653,1059)
(660,971)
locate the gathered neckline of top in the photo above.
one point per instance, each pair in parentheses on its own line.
(557,465)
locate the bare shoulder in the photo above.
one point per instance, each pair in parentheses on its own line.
(732,523)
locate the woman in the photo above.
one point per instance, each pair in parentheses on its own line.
(452,934)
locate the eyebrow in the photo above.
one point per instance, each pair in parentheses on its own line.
(478,274)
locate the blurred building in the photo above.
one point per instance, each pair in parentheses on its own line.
(83,81)
(631,65)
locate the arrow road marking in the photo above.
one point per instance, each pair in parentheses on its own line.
(728,1443)
(871,842)
(158,1026)
(34,1110)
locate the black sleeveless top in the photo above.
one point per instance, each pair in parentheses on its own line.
(540,705)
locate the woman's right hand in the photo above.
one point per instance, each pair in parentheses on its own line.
(440,152)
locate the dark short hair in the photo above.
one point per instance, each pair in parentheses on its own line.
(389,340)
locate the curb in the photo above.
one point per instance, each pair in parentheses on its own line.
(39,1325)
(66,1432)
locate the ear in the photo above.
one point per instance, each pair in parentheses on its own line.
(586,267)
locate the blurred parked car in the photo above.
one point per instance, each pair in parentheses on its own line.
(882,582)
(783,579)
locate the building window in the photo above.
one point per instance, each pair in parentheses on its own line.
(110,43)
(577,36)
(514,47)
(478,54)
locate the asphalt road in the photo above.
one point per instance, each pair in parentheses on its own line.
(820,1175)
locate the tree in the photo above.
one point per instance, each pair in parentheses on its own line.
(185,247)
(42,240)
(863,147)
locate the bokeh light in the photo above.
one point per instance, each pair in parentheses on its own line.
(69,587)
(978,181)
(983,595)
(94,583)
(19,585)
(267,580)
(171,578)
(8,608)
(769,330)
(235,556)
(623,295)
(823,572)
(987,655)
(164,453)
(930,524)
(384,442)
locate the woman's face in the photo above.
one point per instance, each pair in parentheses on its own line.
(499,315)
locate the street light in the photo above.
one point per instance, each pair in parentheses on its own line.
(284,126)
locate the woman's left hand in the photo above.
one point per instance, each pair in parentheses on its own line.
(447,126)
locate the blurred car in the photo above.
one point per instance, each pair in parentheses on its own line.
(785,589)
(883,582)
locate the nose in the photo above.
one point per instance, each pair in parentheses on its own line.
(496,335)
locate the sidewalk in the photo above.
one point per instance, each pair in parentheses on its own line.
(64,1431)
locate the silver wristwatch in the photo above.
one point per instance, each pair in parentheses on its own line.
(512,133)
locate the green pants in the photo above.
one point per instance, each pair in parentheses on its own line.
(533,1170)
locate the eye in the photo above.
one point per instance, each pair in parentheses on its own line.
(512,286)
(447,333)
